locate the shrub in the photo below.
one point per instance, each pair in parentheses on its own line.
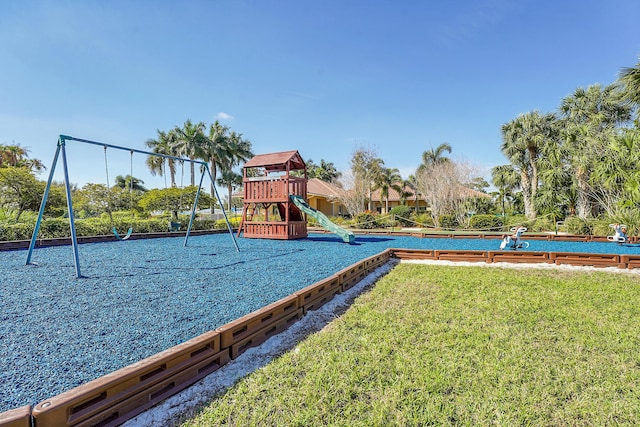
(541,224)
(365,220)
(577,225)
(424,220)
(20,231)
(485,222)
(448,221)
(402,215)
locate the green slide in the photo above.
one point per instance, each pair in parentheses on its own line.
(347,236)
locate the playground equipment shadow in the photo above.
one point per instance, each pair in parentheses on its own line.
(144,296)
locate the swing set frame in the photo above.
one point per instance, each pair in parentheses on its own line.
(62,142)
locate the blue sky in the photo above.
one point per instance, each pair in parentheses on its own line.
(323,77)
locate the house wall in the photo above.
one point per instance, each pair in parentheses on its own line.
(321,204)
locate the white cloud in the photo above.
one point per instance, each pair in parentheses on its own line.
(223,116)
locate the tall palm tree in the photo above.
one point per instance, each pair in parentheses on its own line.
(167,144)
(129,182)
(591,117)
(225,150)
(191,143)
(435,156)
(389,178)
(629,82)
(412,183)
(216,147)
(325,171)
(230,180)
(522,142)
(506,180)
(17,156)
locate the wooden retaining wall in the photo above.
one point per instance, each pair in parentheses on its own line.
(558,258)
(116,397)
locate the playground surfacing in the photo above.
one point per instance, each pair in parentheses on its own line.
(143,296)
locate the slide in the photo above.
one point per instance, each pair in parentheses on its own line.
(347,236)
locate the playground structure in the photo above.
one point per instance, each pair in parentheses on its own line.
(514,241)
(61,149)
(274,199)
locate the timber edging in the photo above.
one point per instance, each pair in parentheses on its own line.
(116,397)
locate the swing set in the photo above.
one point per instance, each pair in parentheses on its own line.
(62,140)
(113,227)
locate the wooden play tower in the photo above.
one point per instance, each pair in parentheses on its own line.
(269,212)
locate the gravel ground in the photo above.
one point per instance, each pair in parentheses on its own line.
(143,296)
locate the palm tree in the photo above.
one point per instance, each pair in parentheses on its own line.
(591,117)
(216,146)
(166,144)
(522,141)
(325,171)
(506,180)
(192,143)
(230,180)
(629,83)
(412,183)
(434,156)
(225,150)
(129,182)
(389,178)
(17,156)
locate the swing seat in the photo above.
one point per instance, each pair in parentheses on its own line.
(115,233)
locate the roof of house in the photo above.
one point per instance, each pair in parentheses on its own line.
(277,161)
(394,196)
(318,187)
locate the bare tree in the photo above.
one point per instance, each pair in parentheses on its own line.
(366,168)
(353,193)
(445,187)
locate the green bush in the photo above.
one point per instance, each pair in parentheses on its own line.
(541,224)
(402,215)
(366,220)
(448,221)
(578,226)
(486,222)
(513,220)
(20,231)
(424,220)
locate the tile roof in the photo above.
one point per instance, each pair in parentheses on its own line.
(318,187)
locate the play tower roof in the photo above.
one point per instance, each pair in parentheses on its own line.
(275,162)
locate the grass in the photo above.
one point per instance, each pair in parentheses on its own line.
(437,345)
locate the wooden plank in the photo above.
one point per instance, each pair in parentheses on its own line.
(413,253)
(262,335)
(519,256)
(351,275)
(19,417)
(239,329)
(585,259)
(453,255)
(134,387)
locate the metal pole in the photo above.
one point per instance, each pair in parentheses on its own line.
(193,210)
(72,225)
(215,190)
(118,147)
(45,196)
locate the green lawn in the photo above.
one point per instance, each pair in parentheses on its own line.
(440,345)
